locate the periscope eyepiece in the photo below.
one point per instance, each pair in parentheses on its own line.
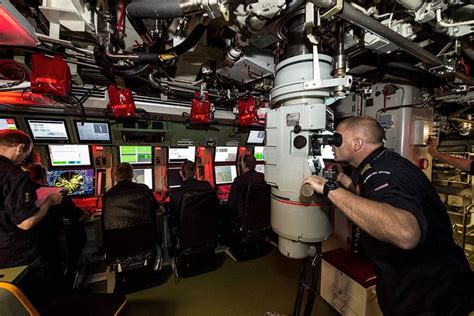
(332,140)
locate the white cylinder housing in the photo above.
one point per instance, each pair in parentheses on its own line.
(299,221)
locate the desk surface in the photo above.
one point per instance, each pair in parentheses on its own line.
(13,275)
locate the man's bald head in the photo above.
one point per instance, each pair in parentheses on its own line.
(365,127)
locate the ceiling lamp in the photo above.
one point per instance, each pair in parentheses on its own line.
(15,30)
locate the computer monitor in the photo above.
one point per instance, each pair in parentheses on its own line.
(225,174)
(256,138)
(48,130)
(144,176)
(181,154)
(7,123)
(136,154)
(73,181)
(260,168)
(95,132)
(69,155)
(173,178)
(259,153)
(225,154)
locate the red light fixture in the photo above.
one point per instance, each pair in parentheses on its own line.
(26,98)
(15,30)
(201,109)
(50,75)
(121,102)
(246,112)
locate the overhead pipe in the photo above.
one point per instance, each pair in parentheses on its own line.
(153,9)
(356,17)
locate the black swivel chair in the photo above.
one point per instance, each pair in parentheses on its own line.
(130,236)
(251,222)
(196,233)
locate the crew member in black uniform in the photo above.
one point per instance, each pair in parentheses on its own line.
(406,230)
(240,184)
(128,204)
(62,244)
(19,215)
(188,170)
(458,162)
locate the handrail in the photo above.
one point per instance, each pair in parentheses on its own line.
(465,214)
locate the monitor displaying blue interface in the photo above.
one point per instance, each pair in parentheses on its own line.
(225,154)
(259,153)
(73,181)
(7,123)
(93,132)
(143,176)
(173,178)
(54,130)
(136,154)
(69,155)
(260,168)
(225,174)
(256,137)
(181,154)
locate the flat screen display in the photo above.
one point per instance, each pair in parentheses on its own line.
(260,168)
(225,174)
(226,154)
(74,182)
(135,154)
(48,130)
(69,155)
(93,132)
(259,153)
(180,154)
(7,123)
(173,178)
(143,176)
(256,137)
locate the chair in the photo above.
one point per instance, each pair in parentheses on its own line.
(14,303)
(130,238)
(197,233)
(251,223)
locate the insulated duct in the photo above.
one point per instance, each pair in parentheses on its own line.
(155,9)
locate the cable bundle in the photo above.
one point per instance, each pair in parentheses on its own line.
(11,70)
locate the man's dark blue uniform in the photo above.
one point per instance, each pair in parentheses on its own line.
(189,185)
(17,193)
(434,276)
(240,185)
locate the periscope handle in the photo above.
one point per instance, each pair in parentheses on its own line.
(306,190)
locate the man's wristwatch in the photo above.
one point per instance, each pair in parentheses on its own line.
(329,186)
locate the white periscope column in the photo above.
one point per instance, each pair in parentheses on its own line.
(300,222)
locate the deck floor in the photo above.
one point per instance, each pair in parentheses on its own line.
(254,287)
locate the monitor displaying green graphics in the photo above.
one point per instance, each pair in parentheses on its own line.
(135,154)
(259,153)
(7,123)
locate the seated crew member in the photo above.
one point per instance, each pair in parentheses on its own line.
(19,215)
(131,203)
(240,184)
(62,248)
(458,162)
(187,172)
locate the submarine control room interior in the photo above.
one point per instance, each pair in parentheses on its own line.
(185,140)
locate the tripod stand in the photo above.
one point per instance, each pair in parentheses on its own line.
(308,284)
